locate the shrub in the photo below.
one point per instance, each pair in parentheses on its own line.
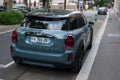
(105,4)
(11,18)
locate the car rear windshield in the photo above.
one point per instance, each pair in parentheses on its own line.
(102,8)
(49,24)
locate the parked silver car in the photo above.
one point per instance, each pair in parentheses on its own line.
(102,10)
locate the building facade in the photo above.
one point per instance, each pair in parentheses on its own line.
(54,4)
(26,2)
(59,4)
(1,2)
(117,6)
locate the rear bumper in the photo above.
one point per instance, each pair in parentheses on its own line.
(43,59)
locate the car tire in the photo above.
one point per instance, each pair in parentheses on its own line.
(18,61)
(105,13)
(78,62)
(98,13)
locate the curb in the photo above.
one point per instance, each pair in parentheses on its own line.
(1,33)
(7,28)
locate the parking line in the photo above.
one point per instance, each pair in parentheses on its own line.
(1,65)
(87,66)
(6,31)
(9,64)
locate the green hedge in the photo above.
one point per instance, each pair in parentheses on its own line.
(11,18)
(105,4)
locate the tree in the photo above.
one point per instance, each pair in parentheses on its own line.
(102,2)
(64,4)
(45,3)
(10,2)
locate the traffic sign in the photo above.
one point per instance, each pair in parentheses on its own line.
(81,3)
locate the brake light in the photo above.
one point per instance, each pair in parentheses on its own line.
(69,42)
(14,36)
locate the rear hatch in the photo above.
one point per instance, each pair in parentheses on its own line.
(42,35)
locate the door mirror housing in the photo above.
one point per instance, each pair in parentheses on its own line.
(22,23)
(90,22)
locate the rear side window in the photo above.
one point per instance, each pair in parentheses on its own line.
(76,21)
(73,24)
(49,24)
(81,21)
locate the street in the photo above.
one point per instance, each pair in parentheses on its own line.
(104,65)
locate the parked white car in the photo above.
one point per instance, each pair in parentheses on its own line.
(16,6)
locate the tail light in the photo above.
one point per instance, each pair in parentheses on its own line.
(14,36)
(69,42)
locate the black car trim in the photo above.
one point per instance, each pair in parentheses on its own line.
(39,34)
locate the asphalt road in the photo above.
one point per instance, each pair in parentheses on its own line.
(27,72)
(5,41)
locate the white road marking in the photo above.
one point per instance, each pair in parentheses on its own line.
(7,65)
(87,66)
(6,31)
(1,65)
(1,79)
(114,35)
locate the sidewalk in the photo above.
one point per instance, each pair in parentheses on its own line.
(7,28)
(90,15)
(90,11)
(107,62)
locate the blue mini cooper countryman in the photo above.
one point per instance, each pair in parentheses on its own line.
(56,38)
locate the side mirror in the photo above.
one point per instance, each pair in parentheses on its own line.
(90,22)
(22,23)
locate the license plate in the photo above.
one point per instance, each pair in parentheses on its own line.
(38,40)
